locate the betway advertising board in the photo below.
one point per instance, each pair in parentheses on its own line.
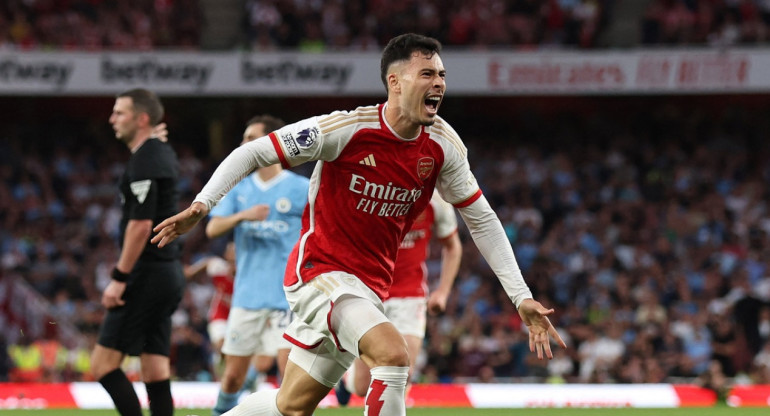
(358,74)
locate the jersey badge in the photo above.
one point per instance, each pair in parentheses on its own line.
(140,189)
(425,167)
(283,205)
(307,137)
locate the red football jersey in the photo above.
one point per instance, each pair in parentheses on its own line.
(222,280)
(367,188)
(411,274)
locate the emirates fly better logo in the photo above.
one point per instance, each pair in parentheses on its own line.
(384,200)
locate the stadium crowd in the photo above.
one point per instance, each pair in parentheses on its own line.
(648,235)
(333,24)
(367,24)
(699,22)
(96,25)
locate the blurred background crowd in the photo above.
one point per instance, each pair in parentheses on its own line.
(318,25)
(644,221)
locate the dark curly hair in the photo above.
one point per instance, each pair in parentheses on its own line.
(401,47)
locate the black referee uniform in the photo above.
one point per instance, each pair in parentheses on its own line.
(148,190)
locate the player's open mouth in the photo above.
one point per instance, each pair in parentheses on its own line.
(432,102)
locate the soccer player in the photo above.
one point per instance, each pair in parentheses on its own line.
(377,169)
(221,270)
(265,210)
(147,281)
(408,299)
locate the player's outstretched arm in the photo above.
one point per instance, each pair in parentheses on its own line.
(490,238)
(535,316)
(171,228)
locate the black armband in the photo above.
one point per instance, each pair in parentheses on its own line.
(119,276)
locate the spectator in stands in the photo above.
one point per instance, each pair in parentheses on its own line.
(27,361)
(366,25)
(700,251)
(6,363)
(99,25)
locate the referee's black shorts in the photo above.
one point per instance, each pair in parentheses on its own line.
(143,323)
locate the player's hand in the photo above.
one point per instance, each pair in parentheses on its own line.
(113,294)
(160,132)
(437,302)
(171,228)
(258,212)
(535,316)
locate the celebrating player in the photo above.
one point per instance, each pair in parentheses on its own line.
(376,172)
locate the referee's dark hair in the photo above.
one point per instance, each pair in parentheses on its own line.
(271,123)
(145,101)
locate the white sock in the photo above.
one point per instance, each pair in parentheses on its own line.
(386,392)
(261,403)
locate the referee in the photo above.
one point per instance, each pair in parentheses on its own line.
(147,281)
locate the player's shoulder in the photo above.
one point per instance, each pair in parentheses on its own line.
(346,118)
(155,159)
(442,132)
(154,146)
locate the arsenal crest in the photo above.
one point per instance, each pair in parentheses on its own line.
(425,167)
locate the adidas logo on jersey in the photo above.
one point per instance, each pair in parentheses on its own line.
(368,161)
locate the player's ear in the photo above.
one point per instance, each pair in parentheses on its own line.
(144,119)
(393,84)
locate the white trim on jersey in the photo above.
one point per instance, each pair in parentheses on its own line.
(315,181)
(266,185)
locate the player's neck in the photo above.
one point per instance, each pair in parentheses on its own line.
(400,124)
(269,172)
(138,140)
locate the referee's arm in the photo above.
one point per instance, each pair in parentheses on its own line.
(137,235)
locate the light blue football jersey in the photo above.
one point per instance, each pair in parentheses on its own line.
(262,248)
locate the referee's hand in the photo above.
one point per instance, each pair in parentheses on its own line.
(171,228)
(113,294)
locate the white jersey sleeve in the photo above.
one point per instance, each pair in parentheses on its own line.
(490,238)
(236,166)
(315,138)
(456,184)
(444,218)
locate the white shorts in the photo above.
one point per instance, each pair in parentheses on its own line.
(257,331)
(333,311)
(408,315)
(217,330)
